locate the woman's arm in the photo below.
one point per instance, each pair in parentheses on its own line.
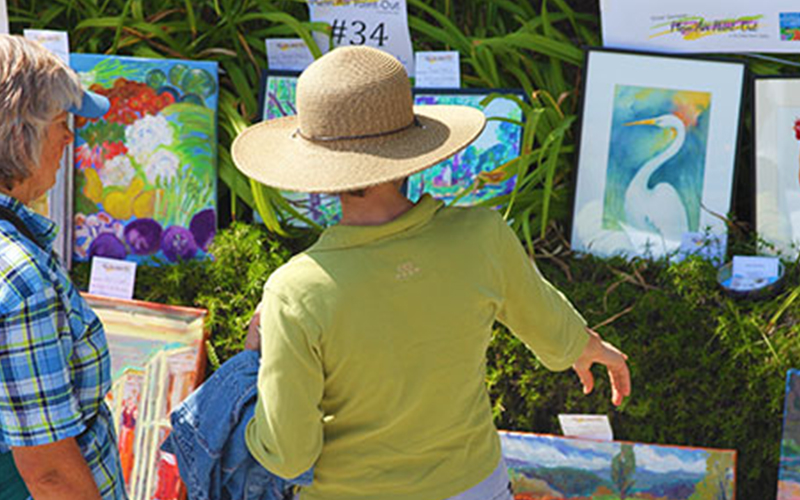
(56,471)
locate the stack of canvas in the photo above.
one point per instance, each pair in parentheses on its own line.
(157,360)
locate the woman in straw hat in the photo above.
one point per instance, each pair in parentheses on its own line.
(373,341)
(54,361)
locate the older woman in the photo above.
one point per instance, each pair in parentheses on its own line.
(54,362)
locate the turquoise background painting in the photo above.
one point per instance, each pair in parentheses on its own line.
(634,146)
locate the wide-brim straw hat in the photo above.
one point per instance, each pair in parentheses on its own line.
(356,126)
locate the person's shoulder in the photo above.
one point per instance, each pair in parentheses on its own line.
(477,220)
(300,276)
(21,275)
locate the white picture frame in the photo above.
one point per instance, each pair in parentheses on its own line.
(657,152)
(777,168)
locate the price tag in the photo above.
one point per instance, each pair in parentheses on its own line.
(112,278)
(596,427)
(289,54)
(437,70)
(56,42)
(382,24)
(3,18)
(750,273)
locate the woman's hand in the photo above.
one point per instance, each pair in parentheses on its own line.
(598,351)
(253,340)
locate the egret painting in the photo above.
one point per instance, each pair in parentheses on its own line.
(656,164)
(657,153)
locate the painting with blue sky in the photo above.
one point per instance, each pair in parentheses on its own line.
(789,472)
(654,182)
(546,467)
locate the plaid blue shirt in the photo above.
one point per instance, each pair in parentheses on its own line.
(54,362)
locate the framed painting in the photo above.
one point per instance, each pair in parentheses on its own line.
(543,467)
(157,359)
(278,100)
(777,164)
(145,173)
(789,469)
(454,179)
(657,152)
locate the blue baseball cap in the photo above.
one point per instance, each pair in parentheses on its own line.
(92,105)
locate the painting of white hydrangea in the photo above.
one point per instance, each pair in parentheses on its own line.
(146,172)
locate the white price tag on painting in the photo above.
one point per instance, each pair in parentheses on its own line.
(112,278)
(437,70)
(750,273)
(596,427)
(288,54)
(382,24)
(56,42)
(3,17)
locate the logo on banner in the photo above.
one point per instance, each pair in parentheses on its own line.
(697,27)
(790,26)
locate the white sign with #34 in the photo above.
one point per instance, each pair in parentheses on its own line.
(382,24)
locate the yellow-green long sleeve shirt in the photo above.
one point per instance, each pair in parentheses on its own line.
(373,357)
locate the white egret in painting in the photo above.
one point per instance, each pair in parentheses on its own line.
(658,207)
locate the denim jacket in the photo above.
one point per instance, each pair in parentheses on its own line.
(207,438)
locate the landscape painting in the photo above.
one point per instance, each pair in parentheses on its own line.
(499,143)
(543,467)
(145,173)
(656,165)
(789,472)
(278,101)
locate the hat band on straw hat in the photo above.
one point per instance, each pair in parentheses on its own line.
(415,123)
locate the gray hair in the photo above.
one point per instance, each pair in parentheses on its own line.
(35,86)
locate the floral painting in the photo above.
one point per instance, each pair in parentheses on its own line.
(279,101)
(498,144)
(543,467)
(145,176)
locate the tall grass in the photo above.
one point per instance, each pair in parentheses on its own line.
(503,44)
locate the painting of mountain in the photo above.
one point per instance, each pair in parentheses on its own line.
(543,467)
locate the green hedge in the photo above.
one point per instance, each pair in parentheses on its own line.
(707,370)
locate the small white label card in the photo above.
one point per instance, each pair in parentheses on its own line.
(382,24)
(438,69)
(710,247)
(288,54)
(56,42)
(750,273)
(596,427)
(112,278)
(3,17)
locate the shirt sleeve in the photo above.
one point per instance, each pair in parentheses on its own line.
(37,402)
(285,435)
(534,310)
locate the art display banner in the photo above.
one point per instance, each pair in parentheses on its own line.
(288,54)
(382,24)
(702,26)
(657,152)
